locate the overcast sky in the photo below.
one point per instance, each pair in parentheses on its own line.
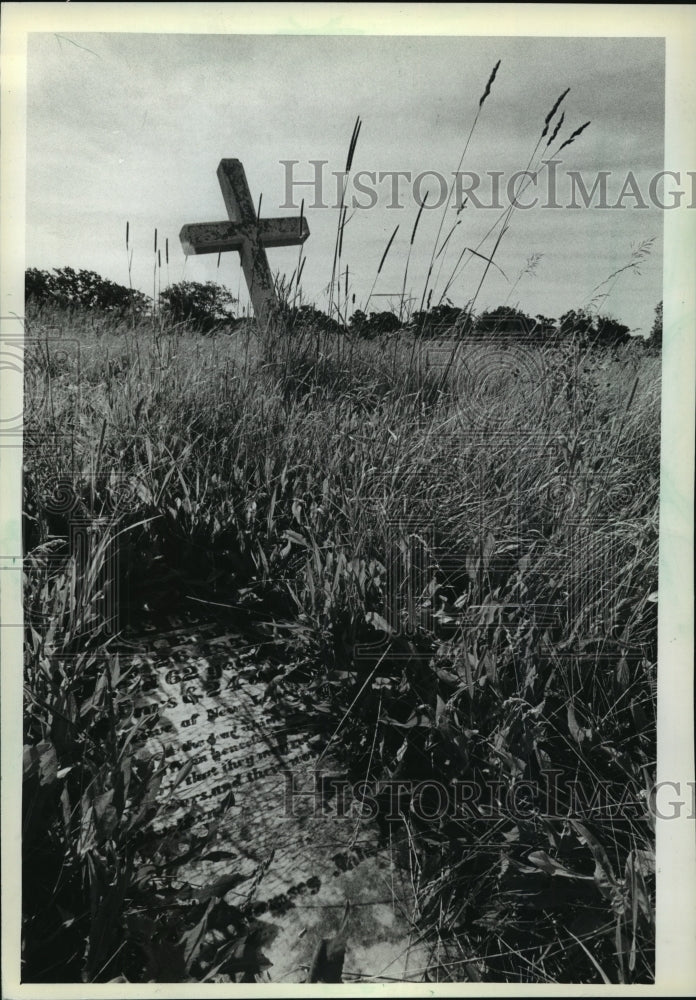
(131,127)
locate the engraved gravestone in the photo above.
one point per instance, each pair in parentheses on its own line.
(230,760)
(246,233)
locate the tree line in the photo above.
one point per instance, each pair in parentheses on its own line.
(203,306)
(209,306)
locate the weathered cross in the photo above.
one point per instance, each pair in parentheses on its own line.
(246,233)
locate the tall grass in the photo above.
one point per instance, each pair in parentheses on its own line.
(458,543)
(290,488)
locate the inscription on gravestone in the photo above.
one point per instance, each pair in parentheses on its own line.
(208,712)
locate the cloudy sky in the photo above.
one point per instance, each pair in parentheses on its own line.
(131,127)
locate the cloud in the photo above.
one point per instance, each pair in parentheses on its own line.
(131,127)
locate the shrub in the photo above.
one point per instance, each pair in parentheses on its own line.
(204,307)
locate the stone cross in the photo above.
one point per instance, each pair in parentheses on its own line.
(246,233)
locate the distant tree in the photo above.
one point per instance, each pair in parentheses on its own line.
(309,318)
(577,323)
(37,286)
(611,333)
(441,321)
(374,325)
(68,288)
(383,322)
(593,331)
(201,306)
(546,328)
(655,338)
(505,323)
(357,321)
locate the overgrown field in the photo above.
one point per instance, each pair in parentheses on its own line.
(455,562)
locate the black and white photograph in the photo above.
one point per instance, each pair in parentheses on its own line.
(346,556)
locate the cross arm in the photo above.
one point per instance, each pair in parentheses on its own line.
(218,237)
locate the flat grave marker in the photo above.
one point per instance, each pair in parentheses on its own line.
(209,711)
